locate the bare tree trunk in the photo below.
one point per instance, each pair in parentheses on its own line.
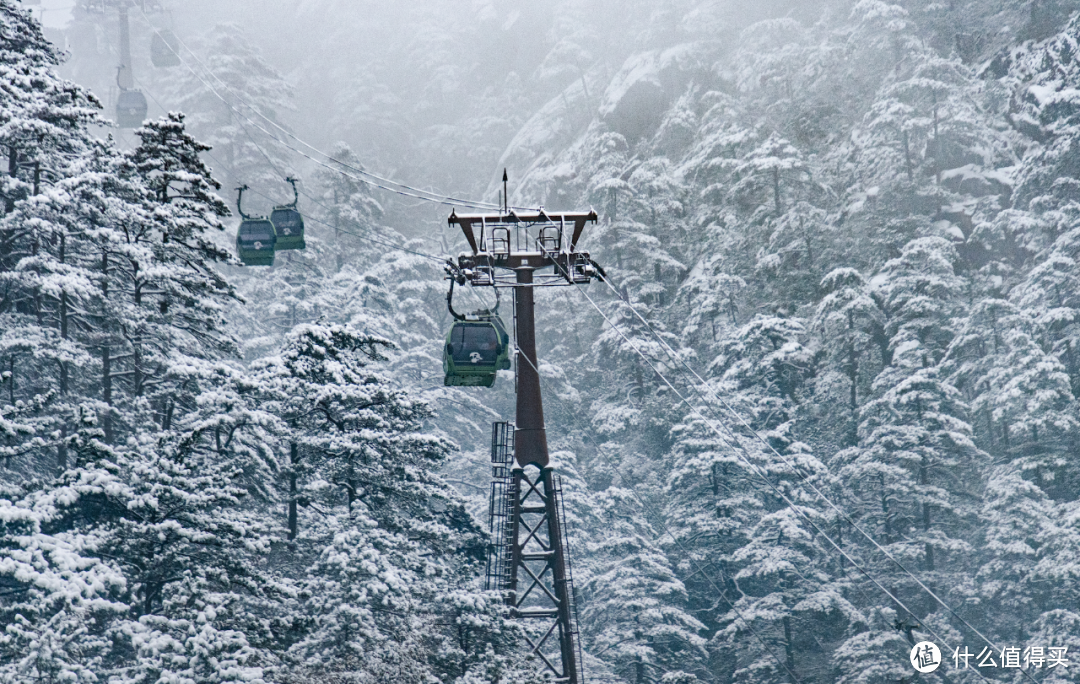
(885,510)
(776,188)
(907,159)
(789,651)
(167,414)
(853,376)
(350,494)
(937,160)
(659,281)
(63,318)
(13,171)
(106,363)
(61,452)
(106,392)
(294,459)
(924,479)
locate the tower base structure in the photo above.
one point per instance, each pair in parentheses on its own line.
(529,559)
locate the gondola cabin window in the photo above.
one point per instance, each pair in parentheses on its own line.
(474,344)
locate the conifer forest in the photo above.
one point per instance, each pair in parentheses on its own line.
(812,403)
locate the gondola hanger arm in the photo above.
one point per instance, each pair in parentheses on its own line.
(295,195)
(450,302)
(239,199)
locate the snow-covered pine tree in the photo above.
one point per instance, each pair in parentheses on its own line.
(43,117)
(1019,394)
(654,233)
(388,592)
(766,179)
(350,209)
(43,121)
(403,295)
(605,162)
(61,596)
(920,294)
(761,368)
(913,480)
(181,294)
(192,550)
(775,563)
(1048,292)
(712,298)
(635,398)
(850,324)
(635,611)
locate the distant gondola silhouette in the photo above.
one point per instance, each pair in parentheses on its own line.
(130,105)
(164,49)
(130,109)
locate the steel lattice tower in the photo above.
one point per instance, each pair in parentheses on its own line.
(529,560)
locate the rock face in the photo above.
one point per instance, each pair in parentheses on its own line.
(639,95)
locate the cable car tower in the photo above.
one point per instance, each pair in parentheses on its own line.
(130,102)
(528,560)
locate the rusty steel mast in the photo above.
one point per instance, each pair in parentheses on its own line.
(529,558)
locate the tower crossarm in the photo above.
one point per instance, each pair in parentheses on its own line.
(545,243)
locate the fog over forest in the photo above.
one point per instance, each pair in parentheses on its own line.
(811,397)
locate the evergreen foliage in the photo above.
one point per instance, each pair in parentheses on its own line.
(858,223)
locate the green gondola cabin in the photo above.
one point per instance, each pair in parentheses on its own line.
(256,237)
(476,349)
(256,241)
(289,225)
(288,222)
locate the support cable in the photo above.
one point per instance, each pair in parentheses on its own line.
(698,568)
(744,456)
(675,357)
